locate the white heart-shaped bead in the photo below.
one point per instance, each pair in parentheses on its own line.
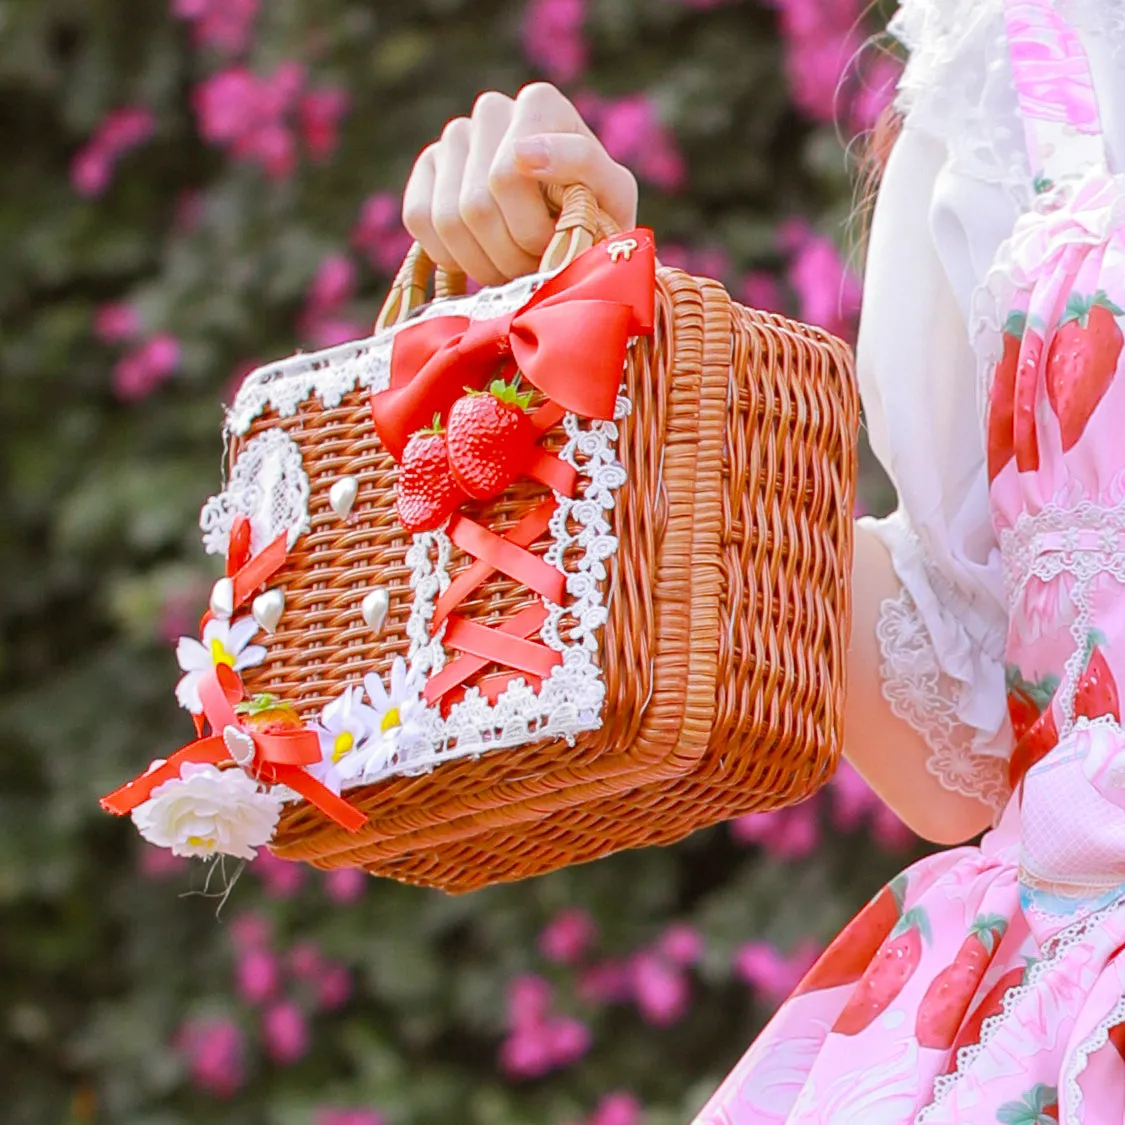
(222,598)
(268,608)
(240,746)
(375,608)
(342,494)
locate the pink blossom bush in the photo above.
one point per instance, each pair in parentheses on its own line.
(91,170)
(552,37)
(257,975)
(223,25)
(345,885)
(788,834)
(214,1052)
(681,944)
(280,879)
(769,972)
(539,1041)
(661,989)
(828,292)
(633,134)
(568,937)
(618,1108)
(348,1117)
(378,233)
(138,373)
(319,114)
(117,323)
(285,1033)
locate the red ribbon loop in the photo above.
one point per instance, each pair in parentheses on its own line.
(569,340)
(279,757)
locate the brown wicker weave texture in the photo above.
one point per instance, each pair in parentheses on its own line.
(778,708)
(788,601)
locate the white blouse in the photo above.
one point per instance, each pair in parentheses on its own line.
(955,184)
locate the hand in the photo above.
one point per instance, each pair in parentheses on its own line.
(473,199)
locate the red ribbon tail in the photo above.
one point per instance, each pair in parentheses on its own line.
(317,793)
(123,801)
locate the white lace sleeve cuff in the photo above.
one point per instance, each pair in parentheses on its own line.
(943,671)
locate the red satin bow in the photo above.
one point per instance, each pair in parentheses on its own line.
(278,758)
(569,340)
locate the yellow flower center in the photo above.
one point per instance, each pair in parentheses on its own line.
(344,742)
(207,842)
(220,654)
(391,720)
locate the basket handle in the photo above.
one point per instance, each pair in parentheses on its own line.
(580,223)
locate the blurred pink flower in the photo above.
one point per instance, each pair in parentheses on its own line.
(529,1000)
(160,863)
(553,39)
(876,90)
(889,832)
(791,833)
(142,370)
(567,1040)
(677,256)
(285,1034)
(854,804)
(116,322)
(214,1053)
(711,261)
(334,988)
(345,884)
(828,293)
(681,944)
(188,210)
(348,1117)
(618,1108)
(280,878)
(758,290)
(526,1053)
(222,24)
(257,975)
(306,962)
(328,333)
(661,990)
(607,982)
(633,134)
(250,931)
(765,969)
(319,114)
(92,167)
(567,937)
(379,233)
(331,286)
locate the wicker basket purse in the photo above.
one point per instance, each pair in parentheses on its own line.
(603,603)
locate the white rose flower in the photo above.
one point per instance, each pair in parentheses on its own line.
(207,811)
(399,714)
(224,642)
(347,729)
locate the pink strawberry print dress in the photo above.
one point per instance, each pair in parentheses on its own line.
(987,984)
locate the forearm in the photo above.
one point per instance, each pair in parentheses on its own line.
(887,751)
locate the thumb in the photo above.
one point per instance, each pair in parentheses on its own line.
(572,158)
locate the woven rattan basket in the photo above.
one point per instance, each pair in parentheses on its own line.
(705,540)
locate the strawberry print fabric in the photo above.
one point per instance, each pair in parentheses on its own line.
(987,984)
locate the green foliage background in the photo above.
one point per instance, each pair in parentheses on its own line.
(100,963)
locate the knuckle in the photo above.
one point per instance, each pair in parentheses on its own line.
(446,220)
(489,103)
(476,204)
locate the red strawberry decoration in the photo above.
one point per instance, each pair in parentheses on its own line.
(951,992)
(844,961)
(1002,398)
(1096,693)
(1025,438)
(991,1005)
(1117,1038)
(1039,1106)
(266,714)
(490,438)
(1027,699)
(427,492)
(1082,361)
(887,974)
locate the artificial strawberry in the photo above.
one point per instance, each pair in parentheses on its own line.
(1096,693)
(1027,699)
(1039,1106)
(1038,741)
(946,1001)
(266,714)
(887,974)
(1082,361)
(427,492)
(991,1005)
(1002,398)
(490,438)
(844,961)
(1117,1038)
(1025,437)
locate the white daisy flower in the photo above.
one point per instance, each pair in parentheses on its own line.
(224,642)
(207,811)
(399,712)
(347,729)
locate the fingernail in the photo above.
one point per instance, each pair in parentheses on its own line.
(533,154)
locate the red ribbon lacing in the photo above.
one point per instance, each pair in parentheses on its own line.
(570,342)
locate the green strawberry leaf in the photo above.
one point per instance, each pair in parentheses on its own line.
(916,919)
(1042,1096)
(1016,324)
(989,929)
(1040,692)
(509,393)
(1101,299)
(257,704)
(897,887)
(1095,638)
(1043,184)
(1077,309)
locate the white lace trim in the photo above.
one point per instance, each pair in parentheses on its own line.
(1094,1042)
(332,373)
(923,696)
(268,484)
(957,86)
(1084,541)
(1053,951)
(570,699)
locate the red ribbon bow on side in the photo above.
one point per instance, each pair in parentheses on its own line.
(569,341)
(274,758)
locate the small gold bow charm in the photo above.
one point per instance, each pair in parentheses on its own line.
(622,248)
